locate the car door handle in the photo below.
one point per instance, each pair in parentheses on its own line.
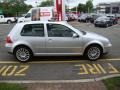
(49,40)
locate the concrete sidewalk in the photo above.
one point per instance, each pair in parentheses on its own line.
(98,85)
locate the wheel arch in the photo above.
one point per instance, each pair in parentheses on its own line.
(22,45)
(9,20)
(93,44)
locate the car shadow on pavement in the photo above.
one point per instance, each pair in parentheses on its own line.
(57,58)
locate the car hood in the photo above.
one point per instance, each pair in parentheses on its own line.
(95,36)
(21,18)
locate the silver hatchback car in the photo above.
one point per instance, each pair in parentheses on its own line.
(43,38)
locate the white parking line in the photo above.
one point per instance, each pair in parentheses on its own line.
(60,81)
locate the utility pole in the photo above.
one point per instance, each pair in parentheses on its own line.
(88,10)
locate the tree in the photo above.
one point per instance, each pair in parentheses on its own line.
(46,3)
(89,6)
(14,7)
(80,8)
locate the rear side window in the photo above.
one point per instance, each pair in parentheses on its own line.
(33,30)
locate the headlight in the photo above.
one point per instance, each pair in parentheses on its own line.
(108,44)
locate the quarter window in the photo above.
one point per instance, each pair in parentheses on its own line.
(33,30)
(57,30)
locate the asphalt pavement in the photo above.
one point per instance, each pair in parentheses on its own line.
(62,68)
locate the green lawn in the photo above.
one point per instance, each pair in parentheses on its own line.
(8,86)
(112,83)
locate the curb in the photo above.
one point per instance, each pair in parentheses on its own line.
(60,81)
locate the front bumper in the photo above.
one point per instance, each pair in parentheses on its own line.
(100,23)
(107,48)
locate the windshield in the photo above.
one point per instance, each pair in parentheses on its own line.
(102,18)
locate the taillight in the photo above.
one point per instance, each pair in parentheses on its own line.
(8,40)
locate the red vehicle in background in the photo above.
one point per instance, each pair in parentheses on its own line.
(72,16)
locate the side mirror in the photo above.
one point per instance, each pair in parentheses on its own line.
(75,35)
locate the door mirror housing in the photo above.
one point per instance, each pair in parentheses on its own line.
(75,35)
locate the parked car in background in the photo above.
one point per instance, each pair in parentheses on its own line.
(94,17)
(72,17)
(84,18)
(8,20)
(114,19)
(42,38)
(103,21)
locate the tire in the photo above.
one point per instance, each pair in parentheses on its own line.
(22,53)
(9,22)
(106,25)
(93,55)
(95,25)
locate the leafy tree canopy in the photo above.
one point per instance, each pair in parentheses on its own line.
(46,3)
(14,7)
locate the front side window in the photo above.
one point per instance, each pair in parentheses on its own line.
(57,30)
(28,15)
(33,30)
(1,16)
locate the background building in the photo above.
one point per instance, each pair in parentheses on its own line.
(108,8)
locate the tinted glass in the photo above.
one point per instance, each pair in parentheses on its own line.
(57,30)
(28,15)
(33,30)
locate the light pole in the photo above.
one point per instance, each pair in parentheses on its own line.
(77,7)
(36,4)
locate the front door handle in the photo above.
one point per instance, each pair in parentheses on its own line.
(49,40)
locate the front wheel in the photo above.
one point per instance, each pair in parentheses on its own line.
(106,25)
(93,52)
(22,54)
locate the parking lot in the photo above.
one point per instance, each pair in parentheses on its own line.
(62,68)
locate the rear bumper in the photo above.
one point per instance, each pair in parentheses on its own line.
(9,48)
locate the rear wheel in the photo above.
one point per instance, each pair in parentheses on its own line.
(95,25)
(93,52)
(23,54)
(9,22)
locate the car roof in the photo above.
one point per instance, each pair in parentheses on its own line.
(37,22)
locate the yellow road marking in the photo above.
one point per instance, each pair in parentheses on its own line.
(112,69)
(13,70)
(83,69)
(96,69)
(21,71)
(101,68)
(72,61)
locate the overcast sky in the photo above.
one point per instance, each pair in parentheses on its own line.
(72,2)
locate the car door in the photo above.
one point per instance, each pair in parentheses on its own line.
(2,19)
(60,40)
(27,18)
(34,36)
